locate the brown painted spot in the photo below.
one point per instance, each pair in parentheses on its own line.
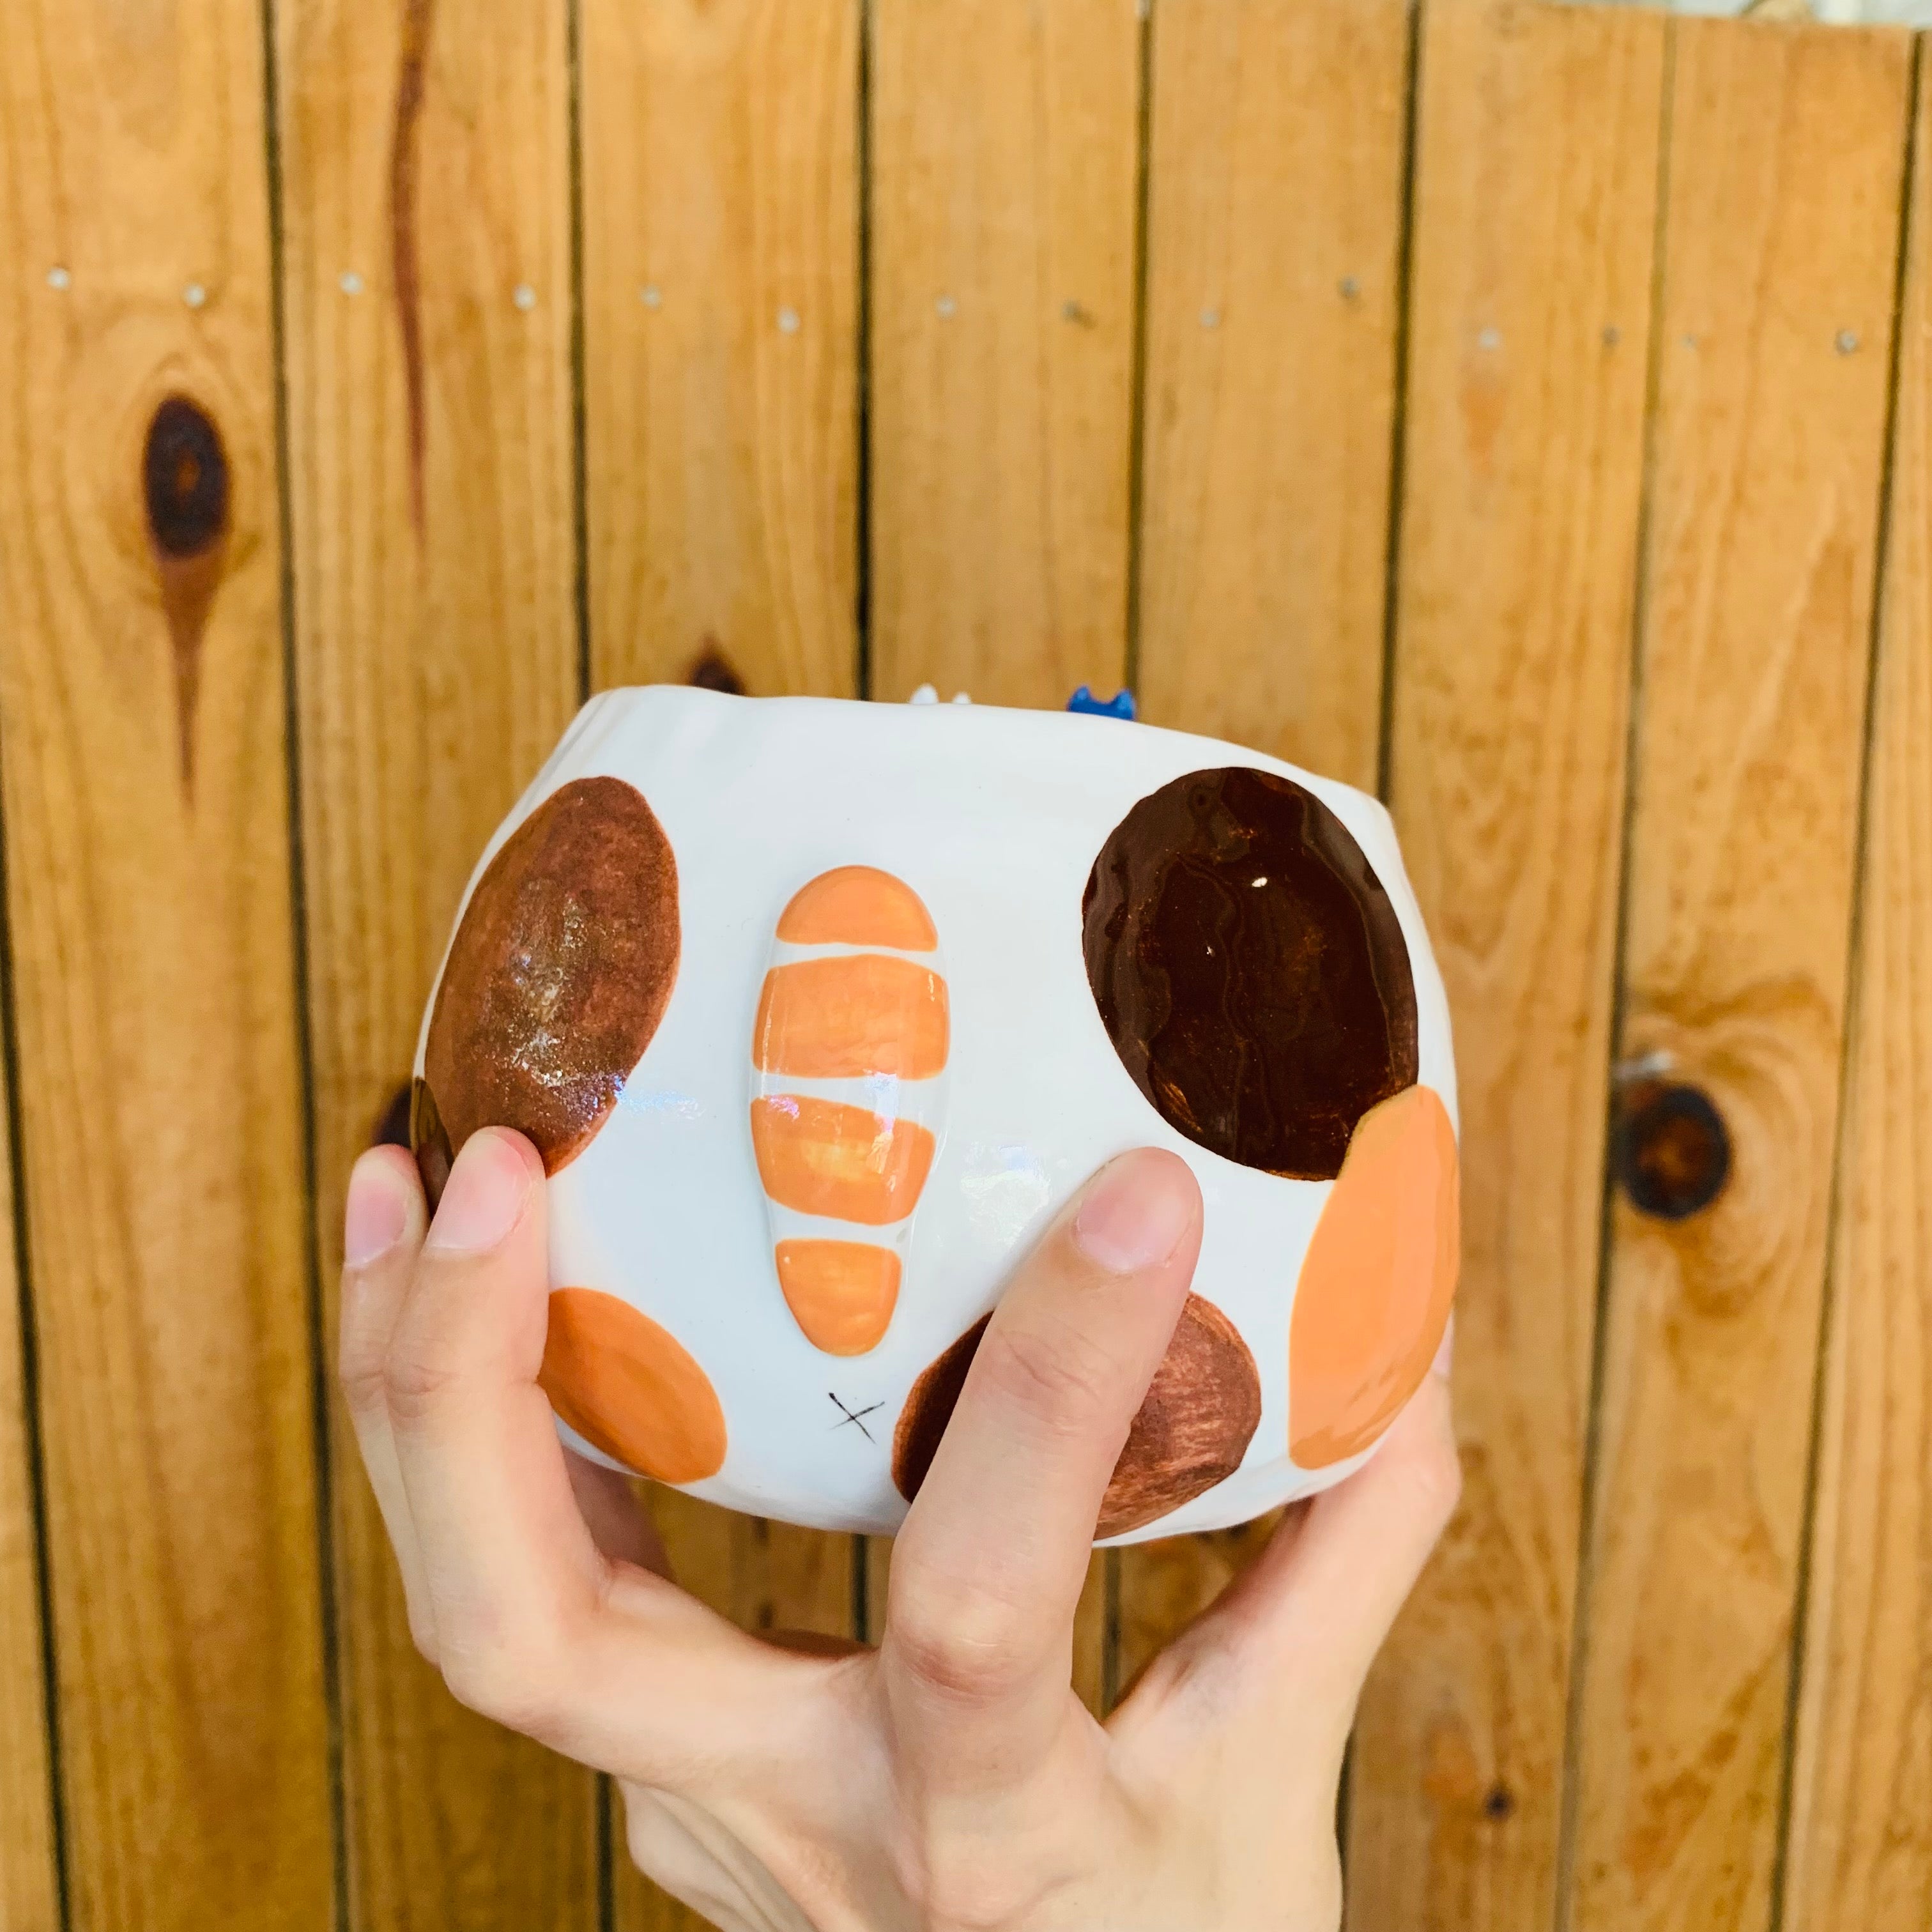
(560,971)
(418,19)
(858,905)
(823,1157)
(851,1015)
(1249,969)
(840,1293)
(1376,1282)
(1194,1426)
(928,1409)
(711,670)
(631,1388)
(185,490)
(1673,1152)
(430,1138)
(1191,1431)
(392,1123)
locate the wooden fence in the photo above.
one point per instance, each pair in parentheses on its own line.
(1525,409)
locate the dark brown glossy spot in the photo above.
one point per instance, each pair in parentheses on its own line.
(184,473)
(1250,969)
(1190,1432)
(1673,1154)
(712,670)
(1499,1804)
(560,972)
(392,1127)
(431,1139)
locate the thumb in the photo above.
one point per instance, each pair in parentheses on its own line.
(988,1571)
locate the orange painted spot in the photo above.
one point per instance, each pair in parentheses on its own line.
(1377,1281)
(820,1157)
(855,1013)
(858,905)
(631,1388)
(842,1293)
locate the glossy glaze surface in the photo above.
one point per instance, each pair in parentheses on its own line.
(1191,1431)
(1249,969)
(560,971)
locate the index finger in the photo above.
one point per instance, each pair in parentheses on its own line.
(988,1571)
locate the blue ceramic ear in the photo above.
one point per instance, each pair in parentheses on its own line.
(1120,705)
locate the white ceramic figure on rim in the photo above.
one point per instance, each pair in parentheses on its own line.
(818,1010)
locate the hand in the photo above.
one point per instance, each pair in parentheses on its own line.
(949,1781)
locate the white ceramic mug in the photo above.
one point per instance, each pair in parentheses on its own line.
(818,1010)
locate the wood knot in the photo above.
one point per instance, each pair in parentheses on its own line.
(184,478)
(1672,1150)
(1498,1803)
(185,488)
(712,670)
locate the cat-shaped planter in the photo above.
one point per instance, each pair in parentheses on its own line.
(817,1011)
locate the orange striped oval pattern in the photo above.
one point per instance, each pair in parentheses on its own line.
(851,1015)
(842,1294)
(849,1053)
(858,905)
(823,1157)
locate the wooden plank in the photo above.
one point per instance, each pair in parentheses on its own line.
(766,1576)
(29,1884)
(1277,154)
(425,181)
(1781,245)
(720,204)
(142,699)
(1274,234)
(1861,1843)
(1005,146)
(721,200)
(1535,211)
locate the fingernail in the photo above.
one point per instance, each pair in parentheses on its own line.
(483,1197)
(377,1212)
(1135,1215)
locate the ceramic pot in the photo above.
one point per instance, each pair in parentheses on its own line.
(817,1011)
